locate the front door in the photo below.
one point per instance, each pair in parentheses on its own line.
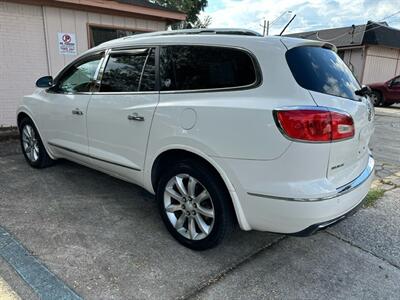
(121,111)
(66,107)
(393,90)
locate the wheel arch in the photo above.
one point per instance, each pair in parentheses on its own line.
(23,113)
(175,154)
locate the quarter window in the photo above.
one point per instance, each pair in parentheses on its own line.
(129,71)
(321,70)
(205,67)
(79,77)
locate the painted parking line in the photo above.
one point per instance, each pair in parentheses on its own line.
(45,284)
(6,293)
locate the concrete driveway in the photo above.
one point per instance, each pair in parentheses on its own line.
(74,232)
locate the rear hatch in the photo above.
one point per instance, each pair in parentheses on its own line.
(332,85)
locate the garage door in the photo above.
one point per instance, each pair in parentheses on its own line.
(22,55)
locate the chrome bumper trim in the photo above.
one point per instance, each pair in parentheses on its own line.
(347,188)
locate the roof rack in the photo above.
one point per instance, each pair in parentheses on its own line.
(210,31)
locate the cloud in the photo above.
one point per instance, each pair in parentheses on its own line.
(311,14)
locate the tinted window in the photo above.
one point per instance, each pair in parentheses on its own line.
(202,67)
(322,70)
(396,81)
(123,72)
(79,77)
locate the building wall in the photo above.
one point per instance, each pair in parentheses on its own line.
(22,55)
(29,45)
(381,64)
(354,59)
(73,21)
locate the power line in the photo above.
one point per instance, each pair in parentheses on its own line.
(353,33)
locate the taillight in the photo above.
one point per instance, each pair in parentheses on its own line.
(315,125)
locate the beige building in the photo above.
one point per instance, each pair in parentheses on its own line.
(372,50)
(39,37)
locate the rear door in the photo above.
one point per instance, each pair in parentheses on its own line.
(332,85)
(121,111)
(393,90)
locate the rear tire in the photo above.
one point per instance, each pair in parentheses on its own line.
(194,205)
(32,146)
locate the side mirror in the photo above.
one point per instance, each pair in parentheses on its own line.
(365,90)
(45,82)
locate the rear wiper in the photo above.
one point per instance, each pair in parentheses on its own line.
(364,91)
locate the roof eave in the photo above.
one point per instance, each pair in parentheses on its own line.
(128,8)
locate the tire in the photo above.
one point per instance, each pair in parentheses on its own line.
(386,104)
(32,146)
(204,201)
(376,98)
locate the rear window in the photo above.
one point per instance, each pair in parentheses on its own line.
(322,70)
(205,67)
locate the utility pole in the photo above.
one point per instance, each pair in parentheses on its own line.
(267,24)
(264,26)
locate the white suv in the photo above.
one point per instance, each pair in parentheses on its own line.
(223,126)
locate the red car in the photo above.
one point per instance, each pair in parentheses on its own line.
(386,93)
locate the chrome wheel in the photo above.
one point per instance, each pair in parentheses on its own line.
(189,207)
(30,143)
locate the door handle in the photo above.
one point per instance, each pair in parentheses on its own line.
(77,112)
(135,117)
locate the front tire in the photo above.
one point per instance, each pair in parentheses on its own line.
(194,205)
(32,146)
(376,98)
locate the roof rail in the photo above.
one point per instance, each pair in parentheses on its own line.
(210,31)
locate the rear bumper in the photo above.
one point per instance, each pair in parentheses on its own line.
(316,227)
(304,215)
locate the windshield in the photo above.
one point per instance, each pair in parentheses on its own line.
(322,70)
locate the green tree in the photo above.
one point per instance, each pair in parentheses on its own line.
(192,8)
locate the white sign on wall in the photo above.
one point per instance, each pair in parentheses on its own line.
(67,43)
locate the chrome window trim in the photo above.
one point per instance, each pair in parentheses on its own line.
(128,50)
(340,191)
(257,83)
(67,67)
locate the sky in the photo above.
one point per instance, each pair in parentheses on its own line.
(310,14)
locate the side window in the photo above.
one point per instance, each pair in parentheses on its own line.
(129,71)
(79,77)
(396,81)
(205,67)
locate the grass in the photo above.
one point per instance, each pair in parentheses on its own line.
(373,196)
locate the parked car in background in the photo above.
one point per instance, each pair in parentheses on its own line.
(386,93)
(223,126)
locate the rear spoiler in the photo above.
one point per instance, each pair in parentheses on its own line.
(290,43)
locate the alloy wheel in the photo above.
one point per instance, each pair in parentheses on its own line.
(30,143)
(189,207)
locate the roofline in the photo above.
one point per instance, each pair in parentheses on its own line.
(111,6)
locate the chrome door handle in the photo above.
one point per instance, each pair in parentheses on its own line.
(135,117)
(77,112)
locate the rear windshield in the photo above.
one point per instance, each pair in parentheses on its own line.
(322,70)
